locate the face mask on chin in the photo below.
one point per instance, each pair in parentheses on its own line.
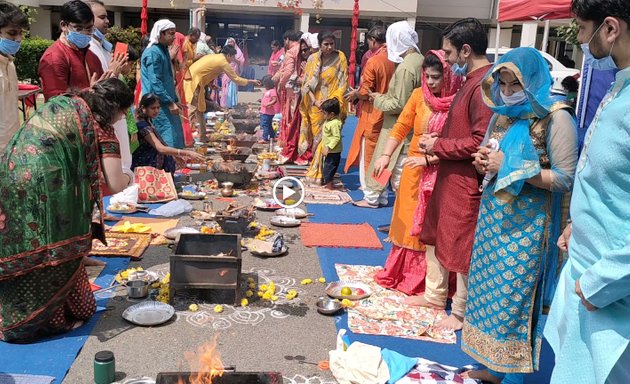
(459,70)
(603,64)
(515,98)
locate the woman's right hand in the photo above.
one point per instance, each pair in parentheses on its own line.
(192,155)
(563,240)
(380,164)
(481,160)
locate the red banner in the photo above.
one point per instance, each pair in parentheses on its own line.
(529,10)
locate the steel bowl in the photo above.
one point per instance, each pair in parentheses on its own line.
(328,306)
(137,289)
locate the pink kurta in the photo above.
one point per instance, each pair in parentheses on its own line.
(451,215)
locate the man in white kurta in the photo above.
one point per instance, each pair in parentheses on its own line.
(589,323)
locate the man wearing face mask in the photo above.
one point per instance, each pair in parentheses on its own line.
(99,45)
(68,64)
(451,215)
(588,325)
(12,23)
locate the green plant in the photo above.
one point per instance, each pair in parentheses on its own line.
(132,37)
(568,33)
(27,58)
(30,12)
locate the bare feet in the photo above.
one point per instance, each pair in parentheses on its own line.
(482,375)
(364,204)
(452,322)
(420,301)
(89,262)
(329,186)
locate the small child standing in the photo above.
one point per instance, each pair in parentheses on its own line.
(269,106)
(331,140)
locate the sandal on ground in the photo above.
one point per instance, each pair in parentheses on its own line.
(364,204)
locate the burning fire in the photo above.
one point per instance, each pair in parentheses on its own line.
(204,364)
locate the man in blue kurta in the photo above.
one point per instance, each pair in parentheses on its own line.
(589,322)
(157,78)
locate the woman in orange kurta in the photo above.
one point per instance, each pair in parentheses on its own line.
(425,112)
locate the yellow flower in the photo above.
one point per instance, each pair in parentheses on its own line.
(218,308)
(244,302)
(347,303)
(193,307)
(260,293)
(249,293)
(306,281)
(267,296)
(252,285)
(322,280)
(274,298)
(250,280)
(264,287)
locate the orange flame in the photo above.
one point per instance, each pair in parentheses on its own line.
(204,364)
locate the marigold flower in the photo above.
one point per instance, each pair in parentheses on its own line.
(218,308)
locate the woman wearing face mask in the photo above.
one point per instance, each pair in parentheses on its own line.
(52,175)
(12,23)
(68,64)
(536,159)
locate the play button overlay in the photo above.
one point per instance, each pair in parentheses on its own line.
(288,192)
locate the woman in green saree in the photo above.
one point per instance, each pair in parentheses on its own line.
(52,175)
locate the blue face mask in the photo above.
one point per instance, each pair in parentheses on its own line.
(9,47)
(79,39)
(603,64)
(459,70)
(106,44)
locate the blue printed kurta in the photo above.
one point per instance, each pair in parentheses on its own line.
(589,344)
(157,77)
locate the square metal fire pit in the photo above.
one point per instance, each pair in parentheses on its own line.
(207,262)
(227,378)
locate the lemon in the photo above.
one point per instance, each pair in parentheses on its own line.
(193,307)
(290,201)
(346,291)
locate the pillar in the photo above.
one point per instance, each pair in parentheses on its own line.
(118,19)
(529,33)
(412,22)
(505,37)
(42,26)
(303,23)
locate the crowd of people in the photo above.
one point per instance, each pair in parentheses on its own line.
(479,156)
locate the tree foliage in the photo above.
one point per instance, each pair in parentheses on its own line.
(27,58)
(568,33)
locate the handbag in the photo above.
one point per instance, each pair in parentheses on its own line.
(154,185)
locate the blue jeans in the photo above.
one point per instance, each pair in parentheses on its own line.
(266,125)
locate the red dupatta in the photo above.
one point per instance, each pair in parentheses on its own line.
(439,106)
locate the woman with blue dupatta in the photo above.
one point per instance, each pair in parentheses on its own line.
(536,158)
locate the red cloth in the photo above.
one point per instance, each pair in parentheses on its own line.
(63,68)
(451,215)
(180,39)
(404,271)
(29,101)
(519,10)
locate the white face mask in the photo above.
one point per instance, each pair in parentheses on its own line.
(514,99)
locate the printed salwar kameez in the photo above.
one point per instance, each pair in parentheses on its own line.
(50,181)
(502,328)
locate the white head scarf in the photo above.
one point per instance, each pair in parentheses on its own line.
(159,27)
(400,37)
(311,40)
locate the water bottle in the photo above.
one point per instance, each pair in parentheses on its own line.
(104,367)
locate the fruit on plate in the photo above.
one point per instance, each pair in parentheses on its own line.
(359,292)
(346,291)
